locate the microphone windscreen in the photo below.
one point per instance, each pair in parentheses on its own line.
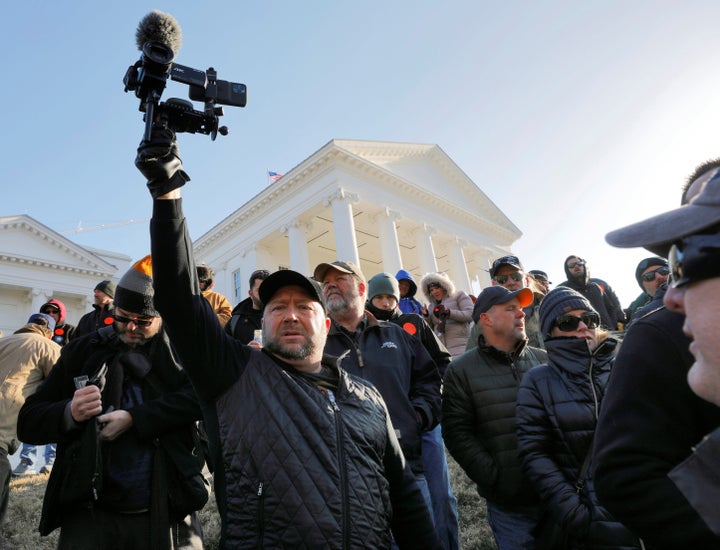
(161,27)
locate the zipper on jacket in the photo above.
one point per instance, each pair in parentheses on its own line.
(596,404)
(341,467)
(261,514)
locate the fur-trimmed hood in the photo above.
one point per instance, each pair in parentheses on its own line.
(440,278)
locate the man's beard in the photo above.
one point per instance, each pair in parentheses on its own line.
(307,349)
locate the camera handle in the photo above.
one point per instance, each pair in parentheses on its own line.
(150,103)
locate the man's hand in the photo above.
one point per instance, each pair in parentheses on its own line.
(86,403)
(114,424)
(159,161)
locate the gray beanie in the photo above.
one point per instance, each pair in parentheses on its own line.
(558,302)
(134,292)
(383,283)
(108,287)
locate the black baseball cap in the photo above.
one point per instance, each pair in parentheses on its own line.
(512,261)
(286,277)
(494,295)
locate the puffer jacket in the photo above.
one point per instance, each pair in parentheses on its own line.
(478,408)
(303,468)
(457,326)
(26,358)
(557,411)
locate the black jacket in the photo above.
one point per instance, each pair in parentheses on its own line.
(557,409)
(301,467)
(650,422)
(99,317)
(415,325)
(164,420)
(478,406)
(401,369)
(244,321)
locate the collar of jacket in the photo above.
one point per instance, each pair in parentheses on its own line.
(502,356)
(573,354)
(369,318)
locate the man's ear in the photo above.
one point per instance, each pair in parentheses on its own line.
(361,289)
(327,324)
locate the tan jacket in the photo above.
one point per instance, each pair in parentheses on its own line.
(26,358)
(220,305)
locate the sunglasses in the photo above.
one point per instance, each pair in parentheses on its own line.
(650,275)
(695,259)
(49,310)
(570,323)
(502,279)
(138,322)
(573,265)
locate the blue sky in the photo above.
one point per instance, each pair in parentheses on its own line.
(574,117)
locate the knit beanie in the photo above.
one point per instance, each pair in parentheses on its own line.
(558,302)
(108,287)
(383,283)
(644,264)
(134,292)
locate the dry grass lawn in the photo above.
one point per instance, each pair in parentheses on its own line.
(19,530)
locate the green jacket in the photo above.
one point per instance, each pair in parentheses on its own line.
(478,419)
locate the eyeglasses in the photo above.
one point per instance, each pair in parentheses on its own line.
(138,322)
(569,323)
(502,279)
(694,259)
(650,275)
(573,265)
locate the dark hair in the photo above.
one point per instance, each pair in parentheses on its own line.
(204,273)
(261,274)
(699,171)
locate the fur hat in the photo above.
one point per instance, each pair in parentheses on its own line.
(558,302)
(134,292)
(108,287)
(383,283)
(440,279)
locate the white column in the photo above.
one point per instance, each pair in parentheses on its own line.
(344,225)
(426,252)
(248,264)
(39,297)
(297,241)
(389,242)
(460,274)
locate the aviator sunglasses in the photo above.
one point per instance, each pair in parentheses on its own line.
(569,323)
(502,279)
(694,259)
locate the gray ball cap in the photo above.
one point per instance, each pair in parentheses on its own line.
(657,234)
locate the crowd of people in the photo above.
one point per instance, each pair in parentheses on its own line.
(321,406)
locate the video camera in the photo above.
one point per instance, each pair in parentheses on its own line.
(158,38)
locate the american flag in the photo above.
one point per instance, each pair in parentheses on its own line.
(273,176)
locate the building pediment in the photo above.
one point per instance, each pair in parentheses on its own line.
(410,178)
(27,245)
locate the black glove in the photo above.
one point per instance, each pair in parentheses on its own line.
(441,312)
(159,161)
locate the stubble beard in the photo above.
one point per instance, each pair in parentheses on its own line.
(284,352)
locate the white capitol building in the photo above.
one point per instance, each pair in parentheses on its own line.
(382,205)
